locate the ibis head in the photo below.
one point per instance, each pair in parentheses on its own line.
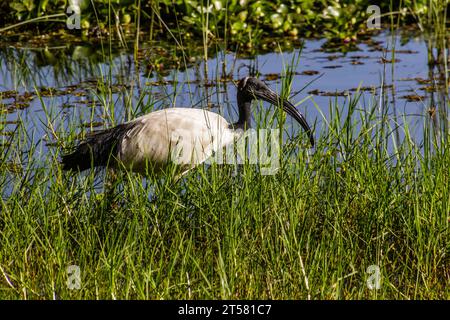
(250,88)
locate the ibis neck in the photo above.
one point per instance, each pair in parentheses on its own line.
(245,117)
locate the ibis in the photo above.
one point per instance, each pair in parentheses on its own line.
(148,142)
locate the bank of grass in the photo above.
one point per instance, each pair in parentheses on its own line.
(361,198)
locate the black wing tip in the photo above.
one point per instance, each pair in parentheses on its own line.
(71,162)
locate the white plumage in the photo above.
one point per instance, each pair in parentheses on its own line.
(184,136)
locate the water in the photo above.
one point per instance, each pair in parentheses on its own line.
(68,76)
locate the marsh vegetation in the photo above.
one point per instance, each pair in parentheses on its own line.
(375,190)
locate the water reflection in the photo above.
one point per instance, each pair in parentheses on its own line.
(95,85)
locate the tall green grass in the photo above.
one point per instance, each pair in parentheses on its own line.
(367,195)
(363,197)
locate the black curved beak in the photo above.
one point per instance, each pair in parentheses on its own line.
(273,98)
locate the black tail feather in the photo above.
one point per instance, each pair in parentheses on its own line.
(97,149)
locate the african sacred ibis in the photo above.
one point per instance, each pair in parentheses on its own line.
(148,141)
